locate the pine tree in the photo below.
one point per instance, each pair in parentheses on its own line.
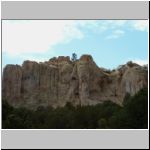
(74,57)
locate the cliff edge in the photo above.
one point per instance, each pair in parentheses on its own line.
(60,80)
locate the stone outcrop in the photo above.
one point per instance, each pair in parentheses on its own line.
(59,80)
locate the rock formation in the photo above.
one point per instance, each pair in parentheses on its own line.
(59,80)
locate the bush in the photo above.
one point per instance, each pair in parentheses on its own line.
(108,115)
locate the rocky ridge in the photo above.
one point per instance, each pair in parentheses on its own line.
(60,80)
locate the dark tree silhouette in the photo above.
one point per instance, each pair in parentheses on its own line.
(108,115)
(74,57)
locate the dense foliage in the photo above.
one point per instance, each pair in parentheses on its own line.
(133,115)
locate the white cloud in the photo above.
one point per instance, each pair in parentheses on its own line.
(116,23)
(118,27)
(140,61)
(37,59)
(115,34)
(141,25)
(25,37)
(36,36)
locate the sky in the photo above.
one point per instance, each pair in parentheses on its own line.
(110,42)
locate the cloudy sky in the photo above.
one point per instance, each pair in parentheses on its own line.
(110,42)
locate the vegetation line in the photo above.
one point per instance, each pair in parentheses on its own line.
(133,115)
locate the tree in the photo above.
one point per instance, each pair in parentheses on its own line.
(74,57)
(108,115)
(127,99)
(102,123)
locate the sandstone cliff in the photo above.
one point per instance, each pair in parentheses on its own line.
(60,80)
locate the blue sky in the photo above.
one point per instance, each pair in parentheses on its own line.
(110,42)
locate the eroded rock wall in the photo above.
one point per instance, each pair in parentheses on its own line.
(59,80)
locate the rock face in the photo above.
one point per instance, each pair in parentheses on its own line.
(59,80)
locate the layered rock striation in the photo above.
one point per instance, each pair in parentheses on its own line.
(60,80)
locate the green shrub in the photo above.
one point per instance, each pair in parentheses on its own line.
(108,115)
